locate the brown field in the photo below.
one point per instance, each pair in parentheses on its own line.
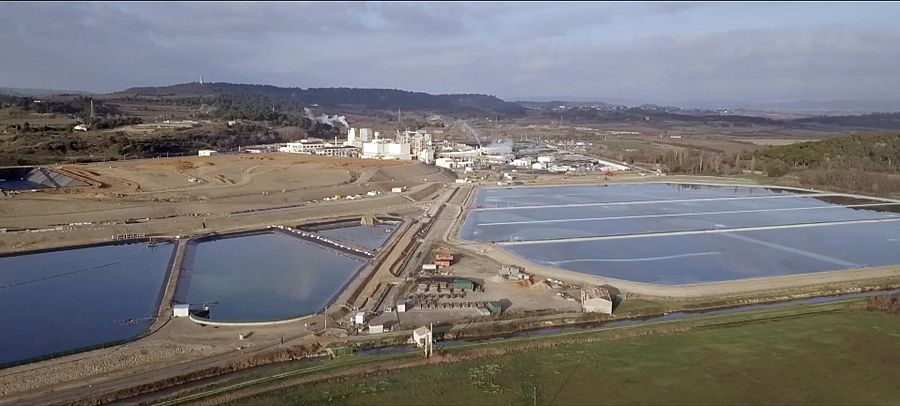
(775,141)
(167,187)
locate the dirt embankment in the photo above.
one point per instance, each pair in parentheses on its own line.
(408,175)
(108,362)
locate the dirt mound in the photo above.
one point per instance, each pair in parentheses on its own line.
(182,165)
(425,192)
(542,285)
(416,172)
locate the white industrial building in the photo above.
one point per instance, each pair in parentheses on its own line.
(207,152)
(546,159)
(304,146)
(360,318)
(356,139)
(343,151)
(380,148)
(366,134)
(448,163)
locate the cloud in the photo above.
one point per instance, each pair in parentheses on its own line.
(651,51)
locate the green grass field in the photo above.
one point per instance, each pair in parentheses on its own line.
(844,357)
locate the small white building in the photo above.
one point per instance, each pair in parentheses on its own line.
(596,300)
(448,163)
(398,189)
(401,306)
(207,152)
(80,127)
(521,162)
(539,166)
(181,310)
(359,318)
(376,328)
(421,336)
(546,159)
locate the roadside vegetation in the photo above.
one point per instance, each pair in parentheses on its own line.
(823,354)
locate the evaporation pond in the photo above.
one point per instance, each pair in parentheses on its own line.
(58,301)
(367,237)
(673,234)
(267,276)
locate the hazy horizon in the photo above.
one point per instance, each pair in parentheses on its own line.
(649,52)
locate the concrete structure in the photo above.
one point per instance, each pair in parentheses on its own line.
(610,166)
(365,134)
(513,272)
(360,318)
(401,306)
(426,156)
(422,336)
(181,310)
(207,152)
(596,300)
(376,328)
(521,162)
(448,163)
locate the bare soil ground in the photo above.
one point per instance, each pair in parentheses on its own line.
(159,188)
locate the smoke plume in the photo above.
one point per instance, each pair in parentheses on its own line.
(326,119)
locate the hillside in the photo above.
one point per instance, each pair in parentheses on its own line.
(873,152)
(865,163)
(334,97)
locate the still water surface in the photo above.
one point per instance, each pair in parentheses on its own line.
(367,237)
(268,276)
(64,300)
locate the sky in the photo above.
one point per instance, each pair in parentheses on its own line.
(655,52)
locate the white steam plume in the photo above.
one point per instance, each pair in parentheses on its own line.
(326,119)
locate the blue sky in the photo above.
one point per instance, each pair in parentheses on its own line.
(663,52)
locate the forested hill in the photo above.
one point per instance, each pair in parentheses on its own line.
(334,97)
(867,163)
(871,152)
